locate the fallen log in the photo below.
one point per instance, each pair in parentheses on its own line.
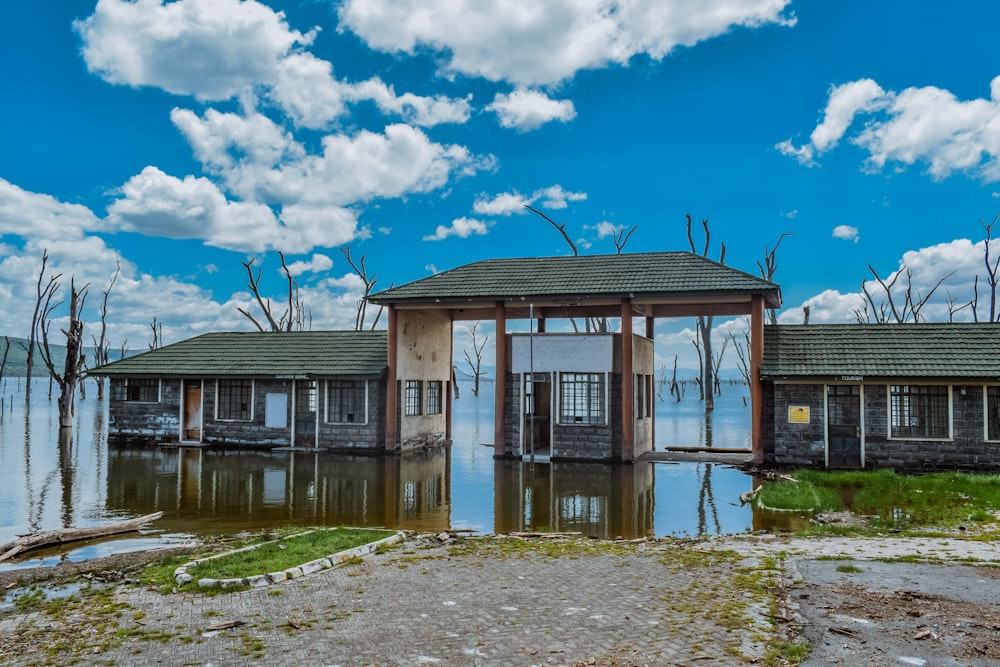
(64,535)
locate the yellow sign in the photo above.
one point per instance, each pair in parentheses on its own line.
(798,414)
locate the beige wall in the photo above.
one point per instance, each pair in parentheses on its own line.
(423,353)
(643,364)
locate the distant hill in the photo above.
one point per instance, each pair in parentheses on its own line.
(17,357)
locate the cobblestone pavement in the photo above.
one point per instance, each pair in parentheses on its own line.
(658,603)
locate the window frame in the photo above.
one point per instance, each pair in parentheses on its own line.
(413,398)
(123,392)
(995,414)
(435,398)
(895,393)
(583,385)
(356,390)
(219,402)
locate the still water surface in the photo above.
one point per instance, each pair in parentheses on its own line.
(47,484)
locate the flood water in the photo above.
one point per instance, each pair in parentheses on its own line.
(46,484)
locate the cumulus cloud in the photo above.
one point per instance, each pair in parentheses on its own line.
(463,228)
(531,43)
(317,264)
(526,110)
(40,216)
(507,203)
(846,232)
(217,50)
(926,125)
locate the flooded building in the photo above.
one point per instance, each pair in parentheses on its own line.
(906,396)
(322,389)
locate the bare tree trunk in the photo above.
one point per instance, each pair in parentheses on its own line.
(70,377)
(704,322)
(475,367)
(42,301)
(102,347)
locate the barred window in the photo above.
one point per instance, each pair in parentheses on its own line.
(993,412)
(582,398)
(434,392)
(412,399)
(347,401)
(234,400)
(919,411)
(138,390)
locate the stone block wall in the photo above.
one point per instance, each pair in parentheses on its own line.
(805,444)
(367,436)
(135,421)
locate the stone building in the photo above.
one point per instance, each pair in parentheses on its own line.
(322,389)
(908,396)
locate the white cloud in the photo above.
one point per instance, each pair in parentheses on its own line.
(846,232)
(526,110)
(531,43)
(463,228)
(317,264)
(211,49)
(39,216)
(926,125)
(507,203)
(217,50)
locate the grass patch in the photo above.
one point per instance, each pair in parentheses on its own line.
(894,502)
(271,556)
(850,569)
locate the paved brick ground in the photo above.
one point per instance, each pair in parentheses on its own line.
(419,605)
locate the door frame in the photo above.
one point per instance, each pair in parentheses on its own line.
(826,419)
(526,421)
(193,385)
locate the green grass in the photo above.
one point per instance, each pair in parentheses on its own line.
(895,502)
(270,556)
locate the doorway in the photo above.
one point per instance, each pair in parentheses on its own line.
(305,413)
(192,413)
(844,426)
(536,433)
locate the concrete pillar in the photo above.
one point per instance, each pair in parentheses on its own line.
(500,399)
(650,323)
(391,433)
(756,387)
(628,398)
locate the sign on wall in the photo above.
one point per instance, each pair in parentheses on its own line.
(798,414)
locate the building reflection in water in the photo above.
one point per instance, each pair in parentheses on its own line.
(599,500)
(205,491)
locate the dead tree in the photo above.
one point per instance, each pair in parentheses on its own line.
(6,351)
(475,367)
(768,269)
(157,340)
(361,271)
(620,238)
(72,372)
(992,273)
(743,354)
(716,364)
(704,322)
(102,346)
(43,299)
(296,314)
(881,308)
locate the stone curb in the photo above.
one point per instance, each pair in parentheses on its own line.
(182,577)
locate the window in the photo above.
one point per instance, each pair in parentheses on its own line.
(582,398)
(139,390)
(347,401)
(993,412)
(234,400)
(434,390)
(918,411)
(412,399)
(643,396)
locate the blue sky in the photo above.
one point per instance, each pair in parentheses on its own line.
(186,137)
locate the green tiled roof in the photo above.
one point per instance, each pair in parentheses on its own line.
(587,276)
(927,350)
(255,354)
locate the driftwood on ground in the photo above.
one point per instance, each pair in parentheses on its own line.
(63,535)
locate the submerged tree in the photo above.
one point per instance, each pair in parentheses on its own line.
(102,346)
(72,372)
(361,271)
(43,299)
(882,306)
(704,323)
(769,267)
(475,367)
